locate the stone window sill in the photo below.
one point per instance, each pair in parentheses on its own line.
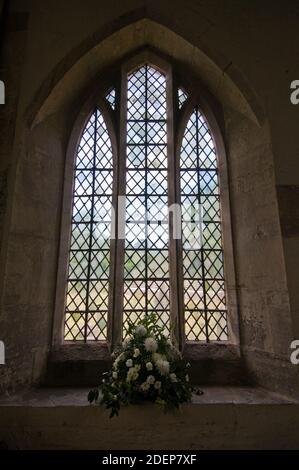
(82,364)
(99,351)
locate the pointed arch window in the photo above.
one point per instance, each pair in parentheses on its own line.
(146,232)
(86,309)
(203,266)
(146,269)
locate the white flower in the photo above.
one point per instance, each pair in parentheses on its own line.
(136,352)
(126,343)
(150,344)
(187,377)
(117,360)
(158,357)
(151,379)
(114,375)
(149,366)
(188,364)
(157,385)
(144,386)
(173,377)
(129,363)
(132,374)
(140,330)
(163,367)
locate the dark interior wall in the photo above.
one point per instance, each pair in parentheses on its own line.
(14,23)
(13,39)
(1,9)
(241,38)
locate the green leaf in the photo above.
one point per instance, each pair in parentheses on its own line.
(92,395)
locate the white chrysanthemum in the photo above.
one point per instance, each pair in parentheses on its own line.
(117,360)
(187,377)
(157,385)
(144,386)
(132,374)
(150,345)
(151,379)
(149,366)
(163,367)
(136,352)
(158,357)
(129,363)
(140,330)
(126,343)
(114,375)
(173,377)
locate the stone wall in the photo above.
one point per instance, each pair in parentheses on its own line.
(222,418)
(234,49)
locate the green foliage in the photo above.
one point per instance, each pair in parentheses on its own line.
(146,367)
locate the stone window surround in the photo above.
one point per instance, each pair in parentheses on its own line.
(211,109)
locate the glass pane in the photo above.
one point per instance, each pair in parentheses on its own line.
(89,258)
(146,270)
(110,97)
(96,326)
(182,97)
(203,270)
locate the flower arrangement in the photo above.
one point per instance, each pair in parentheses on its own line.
(146,367)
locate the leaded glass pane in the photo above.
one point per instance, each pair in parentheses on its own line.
(88,272)
(203,273)
(110,97)
(182,97)
(146,273)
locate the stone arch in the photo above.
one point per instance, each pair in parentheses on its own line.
(106,47)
